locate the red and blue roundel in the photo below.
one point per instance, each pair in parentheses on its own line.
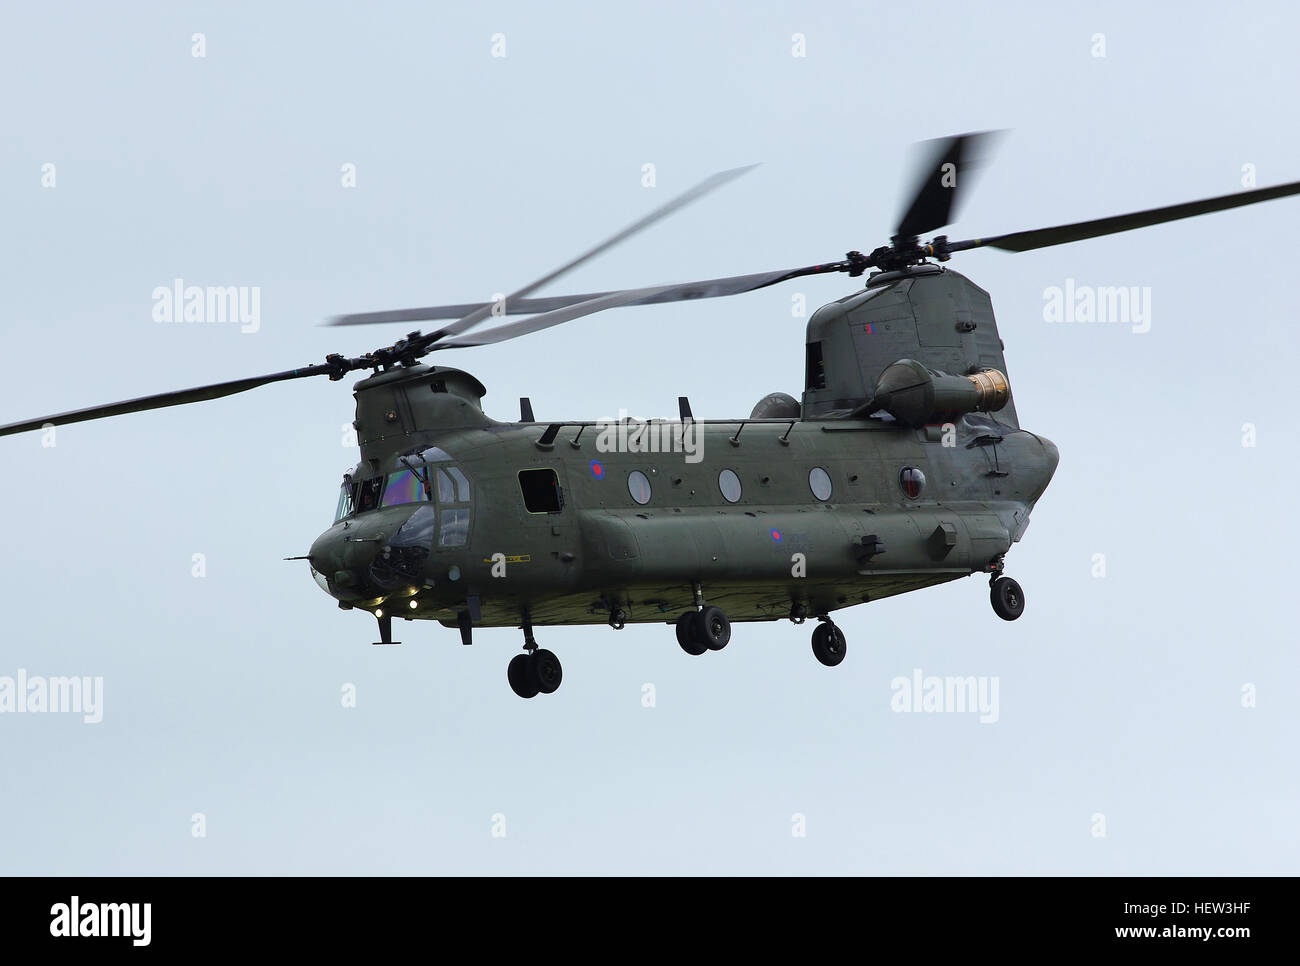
(597,470)
(776,535)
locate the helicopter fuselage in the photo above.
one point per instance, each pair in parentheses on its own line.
(570,522)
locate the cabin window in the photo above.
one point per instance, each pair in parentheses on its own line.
(639,486)
(912,481)
(729,485)
(541,490)
(819,481)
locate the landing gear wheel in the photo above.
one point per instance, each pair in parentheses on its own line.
(1007,597)
(544,671)
(618,619)
(520,680)
(686,635)
(713,628)
(828,644)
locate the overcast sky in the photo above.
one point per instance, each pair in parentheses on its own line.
(1147,718)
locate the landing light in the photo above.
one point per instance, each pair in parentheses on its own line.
(379,612)
(414,604)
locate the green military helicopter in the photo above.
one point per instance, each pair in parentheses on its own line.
(903,465)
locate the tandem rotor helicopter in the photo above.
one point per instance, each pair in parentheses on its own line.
(904,464)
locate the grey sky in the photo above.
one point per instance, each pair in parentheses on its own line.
(1119,695)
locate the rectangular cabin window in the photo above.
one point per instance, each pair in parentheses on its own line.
(815,373)
(541,490)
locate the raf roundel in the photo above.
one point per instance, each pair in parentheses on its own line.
(776,535)
(597,470)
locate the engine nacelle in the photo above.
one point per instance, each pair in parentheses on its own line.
(915,395)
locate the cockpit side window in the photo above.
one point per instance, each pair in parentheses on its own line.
(462,484)
(368,498)
(446,488)
(453,506)
(453,526)
(347,501)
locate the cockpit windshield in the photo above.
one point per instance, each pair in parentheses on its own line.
(405,486)
(416,482)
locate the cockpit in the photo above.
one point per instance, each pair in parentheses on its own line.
(426,476)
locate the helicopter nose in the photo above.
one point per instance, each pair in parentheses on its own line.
(371,559)
(339,565)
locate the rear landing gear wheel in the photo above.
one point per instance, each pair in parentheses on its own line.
(686,635)
(828,644)
(1007,598)
(520,680)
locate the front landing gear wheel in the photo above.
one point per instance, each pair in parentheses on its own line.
(1007,597)
(520,680)
(544,671)
(686,635)
(828,644)
(713,628)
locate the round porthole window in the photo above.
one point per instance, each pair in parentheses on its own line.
(819,481)
(912,481)
(729,484)
(639,487)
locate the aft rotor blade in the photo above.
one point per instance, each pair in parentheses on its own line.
(476,314)
(1026,241)
(180,397)
(942,180)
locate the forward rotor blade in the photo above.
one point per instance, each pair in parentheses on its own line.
(431,312)
(941,181)
(512,330)
(162,400)
(1026,241)
(687,291)
(476,314)
(577,306)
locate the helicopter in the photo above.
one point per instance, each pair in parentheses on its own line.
(902,466)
